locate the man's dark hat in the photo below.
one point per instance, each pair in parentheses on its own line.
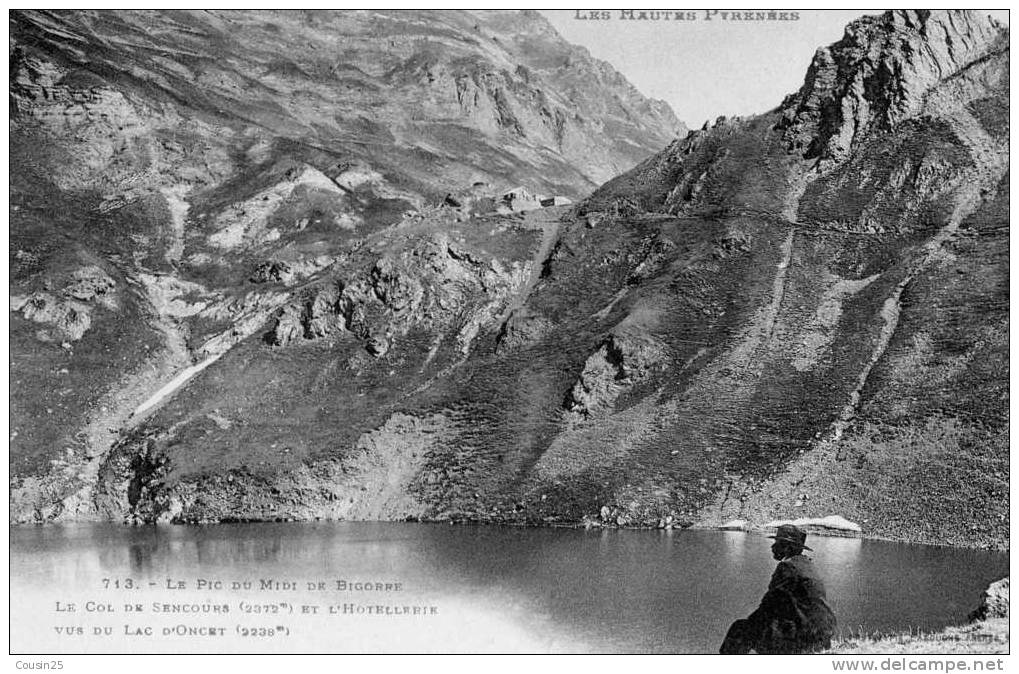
(791,534)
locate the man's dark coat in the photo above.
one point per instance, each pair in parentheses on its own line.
(794,616)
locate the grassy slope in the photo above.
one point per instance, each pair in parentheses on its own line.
(987,637)
(933,434)
(925,456)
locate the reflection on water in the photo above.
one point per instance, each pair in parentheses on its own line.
(494,589)
(735,545)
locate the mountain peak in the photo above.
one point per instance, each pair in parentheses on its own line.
(879,72)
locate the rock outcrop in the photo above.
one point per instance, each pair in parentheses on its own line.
(994,603)
(623,360)
(879,75)
(434,285)
(67,312)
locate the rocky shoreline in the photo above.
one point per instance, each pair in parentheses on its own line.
(665,524)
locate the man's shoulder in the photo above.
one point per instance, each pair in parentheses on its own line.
(799,559)
(798,564)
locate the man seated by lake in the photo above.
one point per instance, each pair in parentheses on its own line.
(794,616)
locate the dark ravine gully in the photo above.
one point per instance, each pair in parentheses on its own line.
(238,294)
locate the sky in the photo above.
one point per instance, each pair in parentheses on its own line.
(705,69)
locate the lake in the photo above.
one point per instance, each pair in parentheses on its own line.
(419,588)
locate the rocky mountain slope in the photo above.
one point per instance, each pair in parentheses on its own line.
(799,314)
(177,177)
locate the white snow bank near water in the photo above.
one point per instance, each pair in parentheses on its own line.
(830,522)
(175,384)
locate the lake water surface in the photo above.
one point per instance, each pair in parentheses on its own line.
(441,588)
